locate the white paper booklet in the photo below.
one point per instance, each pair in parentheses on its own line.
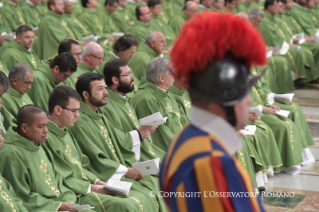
(119,187)
(10,36)
(283,113)
(148,167)
(82,207)
(258,110)
(35,29)
(249,130)
(89,38)
(269,53)
(316,36)
(285,98)
(271,98)
(117,35)
(153,120)
(300,37)
(284,49)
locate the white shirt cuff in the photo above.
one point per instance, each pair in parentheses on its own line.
(90,189)
(136,144)
(121,170)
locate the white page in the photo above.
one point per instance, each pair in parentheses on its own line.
(117,186)
(269,54)
(284,49)
(271,98)
(82,207)
(118,34)
(153,120)
(137,150)
(285,98)
(249,130)
(89,38)
(284,113)
(148,167)
(257,110)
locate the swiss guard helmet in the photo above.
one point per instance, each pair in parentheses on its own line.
(213,55)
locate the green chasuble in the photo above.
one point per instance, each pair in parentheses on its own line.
(29,171)
(296,114)
(174,7)
(42,9)
(304,18)
(77,7)
(81,69)
(52,31)
(123,21)
(13,101)
(298,60)
(69,161)
(8,199)
(121,114)
(164,28)
(143,56)
(75,26)
(285,132)
(43,84)
(246,8)
(183,101)
(3,67)
(109,25)
(150,99)
(16,53)
(12,16)
(141,30)
(106,150)
(31,15)
(176,22)
(131,6)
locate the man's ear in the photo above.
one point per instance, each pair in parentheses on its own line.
(56,69)
(115,80)
(85,95)
(14,81)
(57,110)
(24,128)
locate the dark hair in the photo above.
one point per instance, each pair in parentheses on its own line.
(4,81)
(22,29)
(26,115)
(112,69)
(285,1)
(153,3)
(19,70)
(123,43)
(84,3)
(84,82)
(66,45)
(138,12)
(269,3)
(228,1)
(110,2)
(49,3)
(65,61)
(61,96)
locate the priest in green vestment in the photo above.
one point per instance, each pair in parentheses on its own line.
(42,8)
(64,104)
(122,18)
(204,5)
(30,14)
(92,57)
(12,15)
(154,45)
(162,26)
(247,5)
(152,97)
(26,166)
(21,50)
(53,29)
(72,47)
(20,81)
(120,112)
(47,76)
(107,147)
(3,67)
(110,6)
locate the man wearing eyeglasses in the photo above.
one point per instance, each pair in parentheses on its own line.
(20,81)
(92,57)
(47,76)
(73,47)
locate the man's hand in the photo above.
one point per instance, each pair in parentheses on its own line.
(134,174)
(101,190)
(274,107)
(67,206)
(269,110)
(309,39)
(241,135)
(1,40)
(253,117)
(100,182)
(145,131)
(111,38)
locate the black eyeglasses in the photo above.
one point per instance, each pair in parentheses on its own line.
(74,111)
(99,58)
(26,83)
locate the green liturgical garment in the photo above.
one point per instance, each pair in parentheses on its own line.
(12,16)
(246,8)
(163,27)
(150,99)
(121,115)
(81,69)
(13,101)
(176,22)
(72,165)
(141,30)
(31,15)
(3,67)
(77,28)
(18,54)
(123,21)
(42,9)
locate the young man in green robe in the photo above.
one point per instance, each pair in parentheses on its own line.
(26,166)
(152,97)
(64,104)
(107,147)
(122,18)
(21,50)
(155,44)
(72,47)
(47,76)
(20,81)
(30,13)
(120,112)
(12,15)
(162,26)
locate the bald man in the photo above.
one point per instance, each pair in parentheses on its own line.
(92,57)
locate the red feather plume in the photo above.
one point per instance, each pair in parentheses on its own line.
(209,36)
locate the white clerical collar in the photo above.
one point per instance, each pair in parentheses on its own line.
(12,2)
(132,1)
(202,6)
(34,143)
(162,89)
(123,96)
(29,50)
(112,53)
(29,2)
(215,125)
(56,124)
(298,5)
(120,8)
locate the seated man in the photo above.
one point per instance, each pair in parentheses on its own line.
(72,47)
(64,104)
(25,165)
(20,81)
(152,97)
(154,45)
(120,112)
(4,83)
(47,76)
(21,51)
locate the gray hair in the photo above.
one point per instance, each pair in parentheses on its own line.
(255,13)
(151,37)
(91,48)
(158,66)
(19,71)
(4,81)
